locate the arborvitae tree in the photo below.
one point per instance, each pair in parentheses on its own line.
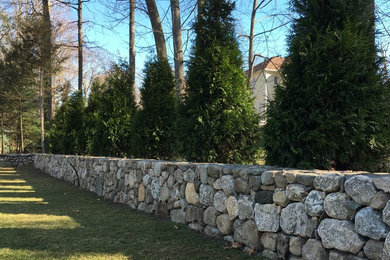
(153,135)
(333,110)
(68,135)
(110,109)
(218,122)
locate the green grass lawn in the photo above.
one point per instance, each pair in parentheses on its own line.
(44,218)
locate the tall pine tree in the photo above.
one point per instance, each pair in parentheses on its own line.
(333,110)
(217,122)
(154,125)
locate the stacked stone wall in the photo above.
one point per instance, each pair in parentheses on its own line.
(280,213)
(18,160)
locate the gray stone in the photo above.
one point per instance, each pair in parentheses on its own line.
(306,178)
(202,169)
(192,196)
(231,204)
(225,224)
(213,232)
(268,254)
(146,179)
(148,196)
(361,189)
(247,233)
(162,210)
(194,214)
(189,175)
(373,249)
(210,216)
(368,222)
(328,182)
(313,249)
(295,245)
(99,185)
(340,206)
(241,186)
(340,235)
(291,176)
(268,240)
(214,171)
(245,207)
(164,193)
(219,201)
(282,242)
(280,179)
(382,183)
(386,213)
(267,178)
(155,188)
(141,206)
(295,221)
(196,226)
(296,192)
(379,200)
(255,182)
(386,248)
(171,181)
(217,184)
(264,197)
(206,193)
(227,184)
(280,198)
(266,217)
(179,176)
(314,203)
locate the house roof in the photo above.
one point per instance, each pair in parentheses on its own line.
(274,63)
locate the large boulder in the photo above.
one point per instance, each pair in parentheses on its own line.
(340,206)
(340,235)
(368,222)
(219,201)
(295,221)
(361,189)
(206,193)
(313,249)
(314,203)
(328,182)
(266,217)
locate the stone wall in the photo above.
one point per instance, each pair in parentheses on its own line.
(280,213)
(18,160)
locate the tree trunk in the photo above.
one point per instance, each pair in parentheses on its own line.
(157,29)
(41,110)
(251,59)
(200,6)
(132,43)
(80,43)
(177,46)
(2,133)
(21,140)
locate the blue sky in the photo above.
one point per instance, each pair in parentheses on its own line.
(115,40)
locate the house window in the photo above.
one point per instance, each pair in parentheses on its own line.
(275,80)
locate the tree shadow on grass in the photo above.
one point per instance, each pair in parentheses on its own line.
(58,221)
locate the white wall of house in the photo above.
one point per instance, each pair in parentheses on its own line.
(263,88)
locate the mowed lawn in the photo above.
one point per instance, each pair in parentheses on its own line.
(45,218)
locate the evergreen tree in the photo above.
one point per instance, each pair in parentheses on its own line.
(333,110)
(218,122)
(155,123)
(68,135)
(110,109)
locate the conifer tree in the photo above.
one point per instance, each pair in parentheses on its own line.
(153,134)
(110,110)
(218,122)
(333,109)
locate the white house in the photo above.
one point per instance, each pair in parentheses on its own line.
(266,76)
